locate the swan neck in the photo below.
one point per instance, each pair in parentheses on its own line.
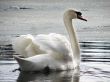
(73,38)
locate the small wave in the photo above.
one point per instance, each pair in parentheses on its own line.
(95,51)
(17,8)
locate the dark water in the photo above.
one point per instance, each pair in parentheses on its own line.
(95,67)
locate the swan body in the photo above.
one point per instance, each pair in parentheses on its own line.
(40,62)
(52,51)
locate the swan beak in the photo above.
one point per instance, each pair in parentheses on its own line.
(81,18)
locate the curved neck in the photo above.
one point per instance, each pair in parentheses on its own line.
(73,39)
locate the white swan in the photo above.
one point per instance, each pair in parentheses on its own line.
(51,51)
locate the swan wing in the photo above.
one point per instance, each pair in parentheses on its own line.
(28,45)
(24,45)
(55,44)
(20,43)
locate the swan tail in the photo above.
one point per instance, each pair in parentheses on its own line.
(20,44)
(25,65)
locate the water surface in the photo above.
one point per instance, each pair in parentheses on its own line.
(95,67)
(19,17)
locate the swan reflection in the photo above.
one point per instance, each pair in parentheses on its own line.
(64,76)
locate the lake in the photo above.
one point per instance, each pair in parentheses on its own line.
(20,17)
(95,67)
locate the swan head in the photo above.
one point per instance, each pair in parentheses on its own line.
(72,14)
